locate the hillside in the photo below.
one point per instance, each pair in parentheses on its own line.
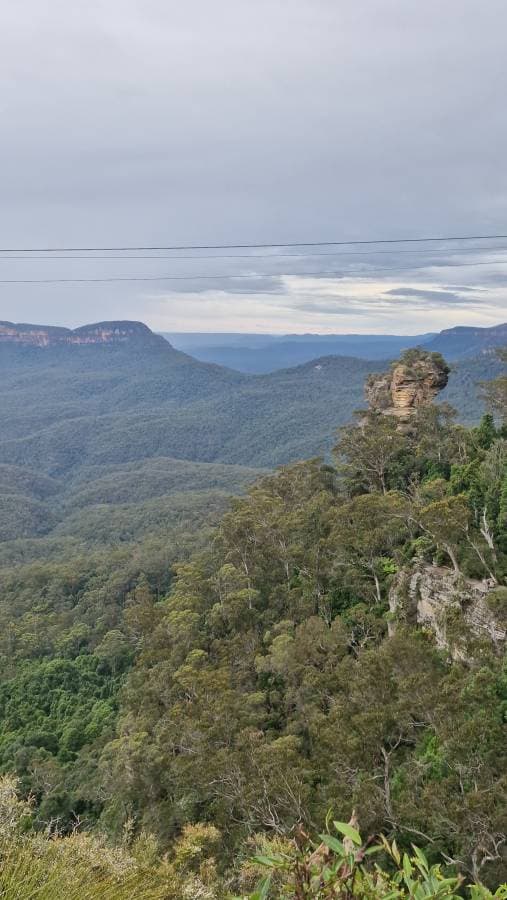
(104,403)
(116,407)
(340,644)
(173,662)
(127,501)
(84,466)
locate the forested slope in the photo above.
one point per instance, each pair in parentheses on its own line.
(171,662)
(270,692)
(67,406)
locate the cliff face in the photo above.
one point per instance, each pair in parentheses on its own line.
(456,610)
(413,382)
(46,336)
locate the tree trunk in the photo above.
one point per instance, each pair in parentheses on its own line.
(486,533)
(387,785)
(483,560)
(452,557)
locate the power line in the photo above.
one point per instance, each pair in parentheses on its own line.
(266,245)
(227,276)
(274,257)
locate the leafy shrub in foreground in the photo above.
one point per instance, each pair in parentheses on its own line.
(343,868)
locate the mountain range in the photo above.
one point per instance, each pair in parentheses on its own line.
(261,353)
(108,430)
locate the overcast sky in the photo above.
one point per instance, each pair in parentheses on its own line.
(161,122)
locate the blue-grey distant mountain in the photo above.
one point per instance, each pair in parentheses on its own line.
(462,341)
(257,354)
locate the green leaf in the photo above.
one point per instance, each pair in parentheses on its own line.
(267,861)
(333,843)
(262,891)
(421,857)
(264,888)
(407,866)
(349,832)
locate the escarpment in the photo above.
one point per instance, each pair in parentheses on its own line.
(412,382)
(48,336)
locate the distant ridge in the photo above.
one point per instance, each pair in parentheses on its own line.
(260,354)
(51,335)
(464,340)
(254,354)
(114,393)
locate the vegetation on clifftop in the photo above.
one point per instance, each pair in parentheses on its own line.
(269,692)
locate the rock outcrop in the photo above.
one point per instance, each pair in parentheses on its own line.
(411,383)
(457,610)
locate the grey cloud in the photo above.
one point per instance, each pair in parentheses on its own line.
(213,284)
(439,297)
(463,289)
(331,309)
(234,122)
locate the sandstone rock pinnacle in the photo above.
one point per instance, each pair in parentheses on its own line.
(412,382)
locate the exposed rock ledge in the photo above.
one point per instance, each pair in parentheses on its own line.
(455,609)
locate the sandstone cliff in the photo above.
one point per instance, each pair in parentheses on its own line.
(457,610)
(46,336)
(411,383)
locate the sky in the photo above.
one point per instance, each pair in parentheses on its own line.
(161,123)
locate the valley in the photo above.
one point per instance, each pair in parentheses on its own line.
(188,637)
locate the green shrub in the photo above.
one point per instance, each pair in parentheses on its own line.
(342,866)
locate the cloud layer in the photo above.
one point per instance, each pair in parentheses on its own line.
(152,123)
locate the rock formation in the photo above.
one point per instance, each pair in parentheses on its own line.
(456,609)
(412,382)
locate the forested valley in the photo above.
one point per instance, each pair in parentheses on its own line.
(195,687)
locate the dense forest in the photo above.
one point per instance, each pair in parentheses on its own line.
(111,441)
(270,692)
(192,687)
